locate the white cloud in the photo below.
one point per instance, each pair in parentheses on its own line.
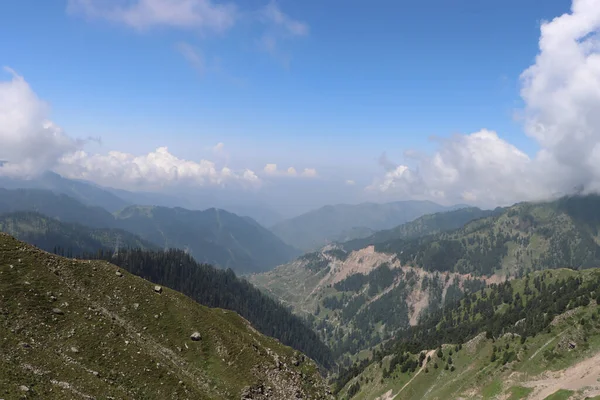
(219,148)
(205,15)
(272,170)
(273,14)
(350,182)
(561,91)
(479,168)
(151,171)
(309,172)
(29,142)
(292,171)
(193,56)
(279,27)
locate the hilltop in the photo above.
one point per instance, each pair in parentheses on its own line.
(71,329)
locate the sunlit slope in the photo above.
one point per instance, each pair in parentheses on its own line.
(79,329)
(535,357)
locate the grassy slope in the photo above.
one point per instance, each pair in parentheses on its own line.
(477,377)
(117,337)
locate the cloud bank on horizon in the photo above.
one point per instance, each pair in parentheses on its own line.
(561,93)
(30,143)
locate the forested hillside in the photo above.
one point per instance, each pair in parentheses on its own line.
(64,238)
(87,329)
(219,288)
(524,237)
(545,320)
(357,300)
(211,236)
(426,225)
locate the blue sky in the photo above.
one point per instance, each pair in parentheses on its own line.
(358,79)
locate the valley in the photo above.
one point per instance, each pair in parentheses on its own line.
(372,312)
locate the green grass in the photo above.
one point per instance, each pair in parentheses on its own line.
(130,341)
(519,392)
(562,394)
(492,390)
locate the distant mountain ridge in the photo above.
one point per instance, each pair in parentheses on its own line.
(84,192)
(212,236)
(67,239)
(316,228)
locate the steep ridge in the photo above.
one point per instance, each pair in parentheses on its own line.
(86,329)
(219,288)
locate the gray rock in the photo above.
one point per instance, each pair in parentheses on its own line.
(118,273)
(58,311)
(158,289)
(196,336)
(23,388)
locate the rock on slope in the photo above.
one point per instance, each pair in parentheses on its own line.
(80,329)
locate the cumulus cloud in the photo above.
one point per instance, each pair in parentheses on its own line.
(480,167)
(29,141)
(350,182)
(155,170)
(561,92)
(205,15)
(272,170)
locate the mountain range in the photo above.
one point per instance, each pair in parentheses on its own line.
(315,229)
(214,236)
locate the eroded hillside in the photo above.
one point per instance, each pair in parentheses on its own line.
(87,329)
(358,299)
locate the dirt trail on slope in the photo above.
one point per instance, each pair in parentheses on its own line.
(582,375)
(429,354)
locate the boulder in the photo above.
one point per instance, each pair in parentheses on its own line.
(196,336)
(158,289)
